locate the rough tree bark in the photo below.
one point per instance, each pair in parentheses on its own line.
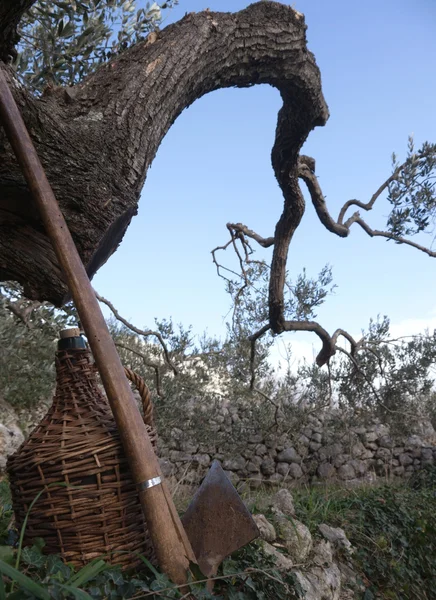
(97,140)
(10,15)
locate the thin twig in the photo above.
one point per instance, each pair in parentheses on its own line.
(239,227)
(369,205)
(142,332)
(223,577)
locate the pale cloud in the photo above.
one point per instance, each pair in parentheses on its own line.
(414,325)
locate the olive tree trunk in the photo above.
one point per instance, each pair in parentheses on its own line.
(97,139)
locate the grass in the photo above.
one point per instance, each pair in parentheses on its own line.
(329,504)
(392,528)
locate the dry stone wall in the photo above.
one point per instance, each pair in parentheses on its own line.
(324,449)
(255,449)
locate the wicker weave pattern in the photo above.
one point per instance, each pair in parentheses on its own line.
(77,443)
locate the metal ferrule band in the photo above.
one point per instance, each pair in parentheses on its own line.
(145,485)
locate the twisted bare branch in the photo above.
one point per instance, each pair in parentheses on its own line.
(244,230)
(341,228)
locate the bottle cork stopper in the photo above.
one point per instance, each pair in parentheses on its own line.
(70,332)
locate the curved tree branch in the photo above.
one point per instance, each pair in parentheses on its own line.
(387,235)
(243,229)
(97,141)
(377,194)
(308,176)
(343,229)
(355,346)
(142,332)
(329,343)
(328,346)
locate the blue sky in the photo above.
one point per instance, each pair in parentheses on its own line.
(377,61)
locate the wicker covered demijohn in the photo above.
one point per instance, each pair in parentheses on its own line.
(96,510)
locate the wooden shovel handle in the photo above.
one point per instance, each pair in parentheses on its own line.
(169,539)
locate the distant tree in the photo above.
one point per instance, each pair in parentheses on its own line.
(28,335)
(394,377)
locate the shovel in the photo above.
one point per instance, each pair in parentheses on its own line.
(217,522)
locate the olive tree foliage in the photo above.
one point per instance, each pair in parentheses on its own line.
(395,376)
(28,335)
(203,370)
(392,379)
(62,42)
(412,192)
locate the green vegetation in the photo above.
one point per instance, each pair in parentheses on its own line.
(28,334)
(62,42)
(392,529)
(388,379)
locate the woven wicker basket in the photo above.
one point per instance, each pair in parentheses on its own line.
(96,510)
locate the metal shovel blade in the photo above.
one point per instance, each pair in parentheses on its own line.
(217,522)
